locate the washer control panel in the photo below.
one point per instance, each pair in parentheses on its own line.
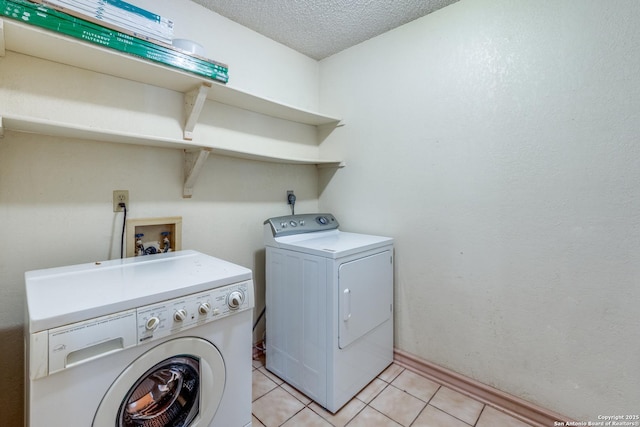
(169,317)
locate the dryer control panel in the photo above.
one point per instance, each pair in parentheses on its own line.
(169,317)
(299,224)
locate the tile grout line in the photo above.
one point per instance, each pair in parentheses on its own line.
(479,415)
(427,403)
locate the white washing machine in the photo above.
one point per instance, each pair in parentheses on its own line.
(158,341)
(329,306)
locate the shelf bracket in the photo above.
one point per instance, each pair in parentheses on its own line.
(323,131)
(334,165)
(193,104)
(193,162)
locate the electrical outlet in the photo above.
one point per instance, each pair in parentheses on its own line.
(120,196)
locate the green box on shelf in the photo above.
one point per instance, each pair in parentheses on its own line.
(53,20)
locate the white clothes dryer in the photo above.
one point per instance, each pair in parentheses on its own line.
(329,306)
(153,341)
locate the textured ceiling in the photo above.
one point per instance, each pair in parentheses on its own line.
(320,28)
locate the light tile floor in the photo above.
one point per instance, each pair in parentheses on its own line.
(397,397)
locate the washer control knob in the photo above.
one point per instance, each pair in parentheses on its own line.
(180,315)
(204,308)
(235,299)
(322,220)
(152,323)
(283,224)
(293,223)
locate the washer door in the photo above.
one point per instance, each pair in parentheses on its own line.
(178,383)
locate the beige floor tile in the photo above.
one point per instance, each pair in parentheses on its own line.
(343,416)
(276,407)
(374,388)
(416,385)
(434,417)
(391,373)
(273,377)
(258,363)
(457,404)
(398,405)
(307,418)
(396,398)
(492,417)
(256,422)
(369,417)
(261,385)
(295,393)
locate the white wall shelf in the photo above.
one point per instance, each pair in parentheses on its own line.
(34,41)
(40,43)
(47,127)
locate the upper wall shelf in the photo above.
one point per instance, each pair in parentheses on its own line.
(30,40)
(36,42)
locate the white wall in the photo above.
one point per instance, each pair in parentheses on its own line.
(55,193)
(497,141)
(256,64)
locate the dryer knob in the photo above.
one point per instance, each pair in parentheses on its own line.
(235,299)
(180,315)
(152,323)
(204,308)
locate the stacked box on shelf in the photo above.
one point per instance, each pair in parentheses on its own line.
(45,17)
(117,14)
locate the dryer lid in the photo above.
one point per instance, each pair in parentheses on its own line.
(333,244)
